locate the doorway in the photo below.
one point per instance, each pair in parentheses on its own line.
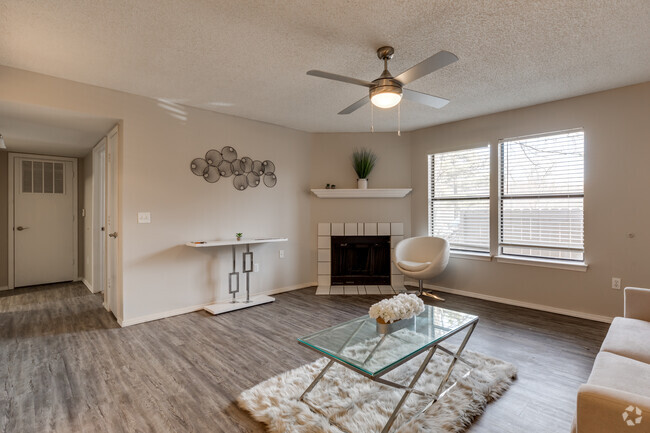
(42,220)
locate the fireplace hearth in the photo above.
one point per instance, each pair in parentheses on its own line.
(360,260)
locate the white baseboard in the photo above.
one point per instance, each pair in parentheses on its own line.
(193,308)
(539,307)
(88,285)
(3,288)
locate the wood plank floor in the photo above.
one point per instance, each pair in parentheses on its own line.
(66,366)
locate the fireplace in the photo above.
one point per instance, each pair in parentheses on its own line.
(360,260)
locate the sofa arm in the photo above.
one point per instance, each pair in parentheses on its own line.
(602,409)
(637,303)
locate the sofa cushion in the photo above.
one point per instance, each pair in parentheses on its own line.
(621,373)
(413,266)
(629,338)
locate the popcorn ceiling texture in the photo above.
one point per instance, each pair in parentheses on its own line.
(248,58)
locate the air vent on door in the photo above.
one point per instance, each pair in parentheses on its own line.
(42,177)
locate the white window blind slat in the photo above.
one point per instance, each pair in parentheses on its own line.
(459,198)
(542,196)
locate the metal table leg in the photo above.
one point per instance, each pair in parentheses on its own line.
(408,391)
(232,274)
(247,270)
(318,378)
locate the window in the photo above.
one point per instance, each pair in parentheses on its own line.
(541,196)
(42,177)
(459,198)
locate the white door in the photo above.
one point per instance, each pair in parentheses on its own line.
(99,216)
(111,300)
(44,226)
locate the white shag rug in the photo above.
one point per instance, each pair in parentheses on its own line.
(355,404)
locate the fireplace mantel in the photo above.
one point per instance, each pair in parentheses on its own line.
(362,193)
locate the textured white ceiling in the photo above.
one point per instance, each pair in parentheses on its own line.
(33,129)
(249,57)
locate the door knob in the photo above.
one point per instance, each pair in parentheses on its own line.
(112,235)
(21,228)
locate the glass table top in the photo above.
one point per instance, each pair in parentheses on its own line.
(358,343)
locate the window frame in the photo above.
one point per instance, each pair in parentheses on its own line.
(562,263)
(478,254)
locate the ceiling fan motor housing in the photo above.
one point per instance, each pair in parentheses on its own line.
(385,85)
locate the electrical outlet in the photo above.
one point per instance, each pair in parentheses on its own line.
(616,283)
(282,254)
(256,267)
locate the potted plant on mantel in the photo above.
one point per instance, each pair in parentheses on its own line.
(363,161)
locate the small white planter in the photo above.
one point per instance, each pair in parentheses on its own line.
(362,183)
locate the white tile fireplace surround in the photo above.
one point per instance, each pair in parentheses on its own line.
(325,232)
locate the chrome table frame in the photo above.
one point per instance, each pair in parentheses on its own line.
(410,388)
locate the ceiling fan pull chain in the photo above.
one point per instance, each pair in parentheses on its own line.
(399,120)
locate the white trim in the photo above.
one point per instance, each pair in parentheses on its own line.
(530,305)
(88,285)
(362,193)
(10,206)
(193,308)
(486,257)
(543,263)
(95,234)
(3,288)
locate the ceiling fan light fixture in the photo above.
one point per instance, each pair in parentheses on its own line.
(385,96)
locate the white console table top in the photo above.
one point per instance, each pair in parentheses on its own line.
(226,242)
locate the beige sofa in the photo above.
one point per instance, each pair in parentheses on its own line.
(616,398)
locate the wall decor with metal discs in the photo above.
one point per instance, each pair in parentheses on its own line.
(245,171)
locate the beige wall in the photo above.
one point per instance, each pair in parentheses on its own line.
(159,273)
(4,215)
(617,178)
(331,162)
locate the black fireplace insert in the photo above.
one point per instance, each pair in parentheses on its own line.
(360,260)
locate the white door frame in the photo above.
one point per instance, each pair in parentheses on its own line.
(10,195)
(116,223)
(98,257)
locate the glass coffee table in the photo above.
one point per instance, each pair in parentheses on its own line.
(373,350)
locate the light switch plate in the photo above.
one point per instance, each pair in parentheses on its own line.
(144,217)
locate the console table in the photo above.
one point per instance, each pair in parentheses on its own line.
(247,268)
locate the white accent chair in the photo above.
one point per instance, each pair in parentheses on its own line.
(422,258)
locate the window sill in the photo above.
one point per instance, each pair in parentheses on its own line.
(543,263)
(470,256)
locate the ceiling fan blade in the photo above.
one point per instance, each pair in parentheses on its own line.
(425,67)
(424,99)
(337,77)
(354,107)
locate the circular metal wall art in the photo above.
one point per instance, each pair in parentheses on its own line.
(257,168)
(270,180)
(229,154)
(211,174)
(253,179)
(225,168)
(246,171)
(198,166)
(213,157)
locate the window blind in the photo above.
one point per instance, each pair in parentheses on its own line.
(459,198)
(542,196)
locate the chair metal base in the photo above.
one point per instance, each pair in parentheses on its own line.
(422,292)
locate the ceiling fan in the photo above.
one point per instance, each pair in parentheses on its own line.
(387,91)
